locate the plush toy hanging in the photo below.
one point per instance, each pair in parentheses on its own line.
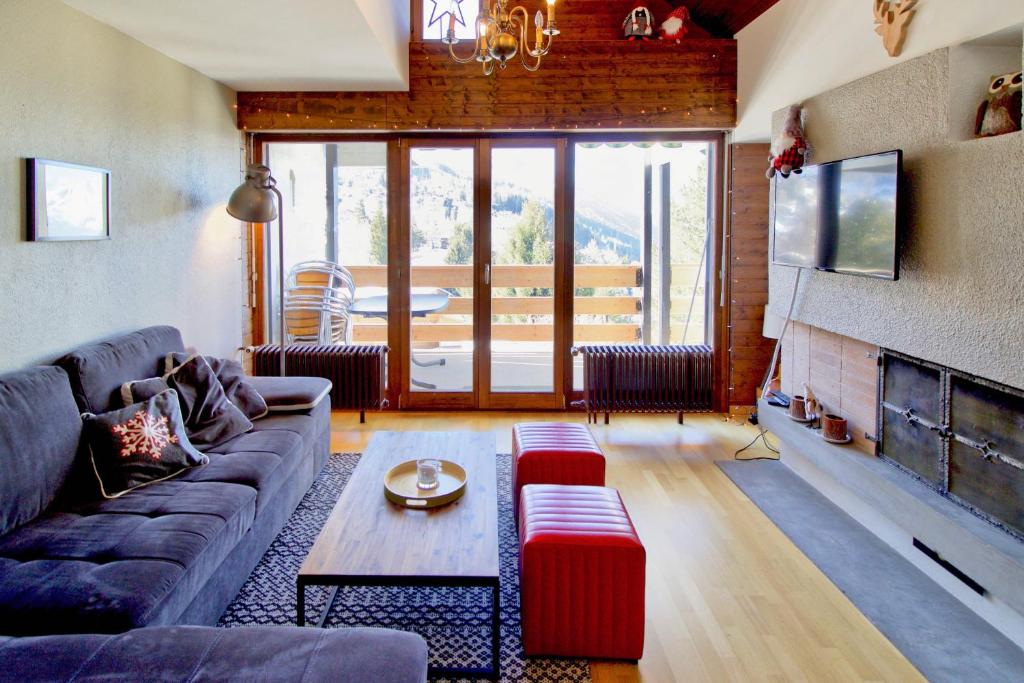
(789,150)
(674,26)
(1000,112)
(639,24)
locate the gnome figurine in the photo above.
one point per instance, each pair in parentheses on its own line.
(674,26)
(790,149)
(639,24)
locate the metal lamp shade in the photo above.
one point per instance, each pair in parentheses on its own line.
(253,200)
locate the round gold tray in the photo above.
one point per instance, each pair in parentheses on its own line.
(400,486)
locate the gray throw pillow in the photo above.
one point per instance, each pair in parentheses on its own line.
(210,418)
(232,377)
(142,444)
(142,390)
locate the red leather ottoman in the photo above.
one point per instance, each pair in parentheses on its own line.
(554,453)
(581,573)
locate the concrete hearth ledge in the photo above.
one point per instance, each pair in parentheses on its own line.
(898,508)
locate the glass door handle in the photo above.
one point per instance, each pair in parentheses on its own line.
(487,274)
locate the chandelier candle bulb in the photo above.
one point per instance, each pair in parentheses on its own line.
(551,11)
(538,21)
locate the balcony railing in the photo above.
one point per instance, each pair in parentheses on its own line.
(599,319)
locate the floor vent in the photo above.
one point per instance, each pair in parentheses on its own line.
(937,559)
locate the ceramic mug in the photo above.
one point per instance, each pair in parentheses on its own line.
(798,408)
(427,472)
(833,427)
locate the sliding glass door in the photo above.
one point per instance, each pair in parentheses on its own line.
(481,261)
(439,282)
(336,213)
(642,243)
(520,235)
(480,291)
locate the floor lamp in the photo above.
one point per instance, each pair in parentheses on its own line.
(253,202)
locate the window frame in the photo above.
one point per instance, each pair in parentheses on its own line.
(718,287)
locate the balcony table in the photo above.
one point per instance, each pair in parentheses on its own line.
(420,306)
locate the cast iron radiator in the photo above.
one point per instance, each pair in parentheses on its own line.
(357,371)
(646,379)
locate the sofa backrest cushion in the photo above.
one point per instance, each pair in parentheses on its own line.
(40,431)
(97,371)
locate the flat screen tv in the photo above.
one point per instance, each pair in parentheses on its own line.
(841,217)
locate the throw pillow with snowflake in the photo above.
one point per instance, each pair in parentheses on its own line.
(141,444)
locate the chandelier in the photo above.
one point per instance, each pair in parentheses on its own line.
(502,33)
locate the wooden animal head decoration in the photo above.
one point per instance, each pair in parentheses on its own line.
(892,17)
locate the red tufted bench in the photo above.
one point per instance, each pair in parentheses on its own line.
(581,573)
(554,453)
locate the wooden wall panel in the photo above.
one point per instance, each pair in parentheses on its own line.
(599,85)
(841,371)
(749,351)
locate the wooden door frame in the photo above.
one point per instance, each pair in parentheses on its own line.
(436,400)
(548,400)
(398,232)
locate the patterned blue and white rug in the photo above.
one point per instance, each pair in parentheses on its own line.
(454,621)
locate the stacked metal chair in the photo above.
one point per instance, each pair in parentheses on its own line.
(317,299)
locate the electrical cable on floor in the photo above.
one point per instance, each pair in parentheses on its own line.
(761,432)
(761,436)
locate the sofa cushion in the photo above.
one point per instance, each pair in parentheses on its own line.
(194,653)
(139,390)
(140,445)
(210,417)
(234,380)
(292,394)
(40,431)
(97,371)
(109,565)
(261,460)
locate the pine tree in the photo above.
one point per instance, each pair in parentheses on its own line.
(460,247)
(689,217)
(530,243)
(379,239)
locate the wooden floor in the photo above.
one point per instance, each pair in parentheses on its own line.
(729,597)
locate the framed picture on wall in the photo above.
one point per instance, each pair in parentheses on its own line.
(67,201)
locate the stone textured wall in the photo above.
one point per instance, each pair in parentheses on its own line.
(960,298)
(76,90)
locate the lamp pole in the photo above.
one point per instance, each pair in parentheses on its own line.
(280,271)
(253,202)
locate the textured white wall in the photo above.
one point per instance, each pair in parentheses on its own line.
(75,90)
(960,297)
(800,48)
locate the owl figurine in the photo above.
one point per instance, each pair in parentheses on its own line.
(1000,112)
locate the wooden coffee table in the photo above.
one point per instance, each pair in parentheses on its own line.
(368,541)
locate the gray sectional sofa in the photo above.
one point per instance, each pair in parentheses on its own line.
(196,654)
(175,552)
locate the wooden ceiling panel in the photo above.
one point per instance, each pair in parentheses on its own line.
(602,19)
(724,18)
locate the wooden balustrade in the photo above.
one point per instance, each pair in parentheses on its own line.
(530,276)
(621,333)
(447,327)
